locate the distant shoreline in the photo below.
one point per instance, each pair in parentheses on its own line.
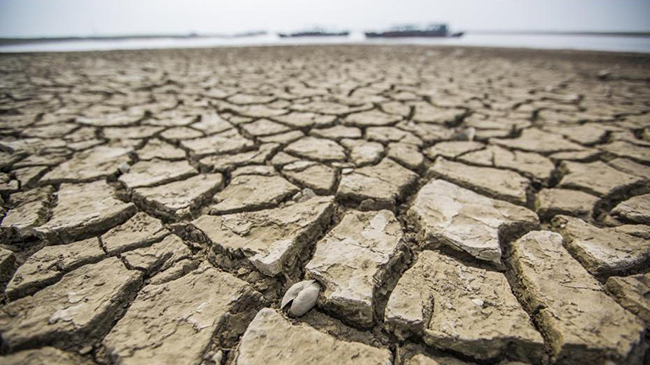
(13,41)
(544,32)
(18,40)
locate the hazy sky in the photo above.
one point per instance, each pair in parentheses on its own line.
(30,18)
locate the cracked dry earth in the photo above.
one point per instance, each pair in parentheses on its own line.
(456,206)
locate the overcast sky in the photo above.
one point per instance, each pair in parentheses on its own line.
(34,18)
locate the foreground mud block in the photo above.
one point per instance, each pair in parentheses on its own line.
(462,308)
(271,239)
(529,164)
(535,140)
(353,261)
(371,118)
(428,133)
(93,164)
(149,259)
(581,322)
(629,150)
(597,178)
(427,113)
(602,251)
(337,132)
(271,339)
(83,209)
(156,172)
(174,322)
(156,148)
(50,263)
(227,142)
(252,192)
(309,112)
(630,167)
(283,138)
(178,198)
(551,202)
(392,134)
(264,127)
(444,213)
(30,209)
(139,231)
(636,210)
(407,155)
(363,153)
(318,149)
(230,162)
(73,311)
(632,293)
(499,184)
(319,178)
(380,186)
(453,149)
(585,134)
(308,119)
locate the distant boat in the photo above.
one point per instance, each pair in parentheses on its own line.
(314,33)
(437,30)
(254,33)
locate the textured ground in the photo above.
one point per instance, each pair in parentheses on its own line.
(455,206)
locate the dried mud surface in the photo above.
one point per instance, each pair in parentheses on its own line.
(456,206)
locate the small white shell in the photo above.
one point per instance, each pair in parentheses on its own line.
(216,358)
(305,300)
(304,195)
(292,293)
(466,134)
(302,296)
(470,133)
(307,193)
(124,167)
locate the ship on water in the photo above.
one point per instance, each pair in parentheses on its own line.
(435,30)
(315,32)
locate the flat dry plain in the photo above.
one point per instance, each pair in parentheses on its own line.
(455,206)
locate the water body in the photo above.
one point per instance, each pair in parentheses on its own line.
(572,42)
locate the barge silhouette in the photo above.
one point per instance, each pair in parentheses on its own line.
(437,30)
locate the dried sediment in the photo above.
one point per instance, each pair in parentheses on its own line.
(156,206)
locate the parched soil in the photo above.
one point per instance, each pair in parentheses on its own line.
(444,205)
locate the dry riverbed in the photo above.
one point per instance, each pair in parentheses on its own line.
(454,206)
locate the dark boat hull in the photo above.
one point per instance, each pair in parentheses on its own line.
(313,34)
(412,34)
